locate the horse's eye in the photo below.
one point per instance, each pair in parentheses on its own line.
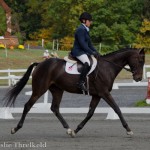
(141,60)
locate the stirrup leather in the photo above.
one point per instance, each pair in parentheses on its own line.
(82,86)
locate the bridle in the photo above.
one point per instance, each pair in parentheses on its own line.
(127,69)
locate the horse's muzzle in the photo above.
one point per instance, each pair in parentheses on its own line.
(137,79)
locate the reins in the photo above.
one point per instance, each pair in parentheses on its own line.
(127,69)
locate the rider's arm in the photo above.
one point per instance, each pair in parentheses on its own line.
(81,37)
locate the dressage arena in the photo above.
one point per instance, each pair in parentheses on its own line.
(44,131)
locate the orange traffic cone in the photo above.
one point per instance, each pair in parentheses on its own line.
(148,89)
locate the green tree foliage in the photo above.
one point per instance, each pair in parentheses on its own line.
(2,22)
(143,38)
(64,15)
(146,9)
(116,23)
(26,16)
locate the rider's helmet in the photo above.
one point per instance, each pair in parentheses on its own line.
(85,16)
(46,51)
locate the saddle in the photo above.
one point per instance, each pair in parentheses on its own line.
(74,66)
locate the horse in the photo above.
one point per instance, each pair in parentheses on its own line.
(50,75)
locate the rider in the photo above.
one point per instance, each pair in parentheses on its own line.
(83,47)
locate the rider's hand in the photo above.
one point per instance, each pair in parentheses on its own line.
(95,53)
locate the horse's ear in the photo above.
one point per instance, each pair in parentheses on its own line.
(141,51)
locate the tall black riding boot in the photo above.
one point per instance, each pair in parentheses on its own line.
(83,75)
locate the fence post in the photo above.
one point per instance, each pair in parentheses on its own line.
(57,45)
(9,82)
(46,97)
(148,89)
(6,51)
(144,72)
(5,113)
(42,42)
(53,44)
(112,115)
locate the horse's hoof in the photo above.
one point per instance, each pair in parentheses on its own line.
(71,132)
(129,133)
(13,131)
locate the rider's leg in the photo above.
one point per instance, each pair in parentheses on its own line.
(86,66)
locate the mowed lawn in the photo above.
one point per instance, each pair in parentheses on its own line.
(21,59)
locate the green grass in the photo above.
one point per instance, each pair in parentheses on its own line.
(142,103)
(20,59)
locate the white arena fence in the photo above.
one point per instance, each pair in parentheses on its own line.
(10,75)
(12,78)
(145,71)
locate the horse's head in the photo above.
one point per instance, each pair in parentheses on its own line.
(136,62)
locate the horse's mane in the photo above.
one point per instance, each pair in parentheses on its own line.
(119,51)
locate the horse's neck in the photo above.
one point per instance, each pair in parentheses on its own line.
(118,60)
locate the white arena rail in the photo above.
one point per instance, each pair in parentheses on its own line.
(145,71)
(125,110)
(6,113)
(12,79)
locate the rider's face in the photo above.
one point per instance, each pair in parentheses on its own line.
(88,23)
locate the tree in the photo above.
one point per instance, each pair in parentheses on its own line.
(3,22)
(63,16)
(143,38)
(146,9)
(117,23)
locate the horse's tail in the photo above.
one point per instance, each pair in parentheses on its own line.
(13,92)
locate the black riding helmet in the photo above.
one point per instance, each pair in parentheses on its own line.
(85,16)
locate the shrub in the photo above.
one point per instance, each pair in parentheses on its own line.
(142,103)
(66,43)
(11,47)
(20,46)
(48,45)
(2,46)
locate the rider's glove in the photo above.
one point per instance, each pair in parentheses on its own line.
(95,53)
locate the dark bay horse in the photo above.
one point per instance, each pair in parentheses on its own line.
(50,74)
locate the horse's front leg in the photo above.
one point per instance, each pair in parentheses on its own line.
(109,99)
(94,102)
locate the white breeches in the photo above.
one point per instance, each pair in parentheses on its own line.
(84,58)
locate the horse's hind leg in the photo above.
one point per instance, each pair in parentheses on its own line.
(57,96)
(27,107)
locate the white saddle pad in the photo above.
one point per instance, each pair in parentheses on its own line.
(71,67)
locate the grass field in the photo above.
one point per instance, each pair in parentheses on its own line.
(21,59)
